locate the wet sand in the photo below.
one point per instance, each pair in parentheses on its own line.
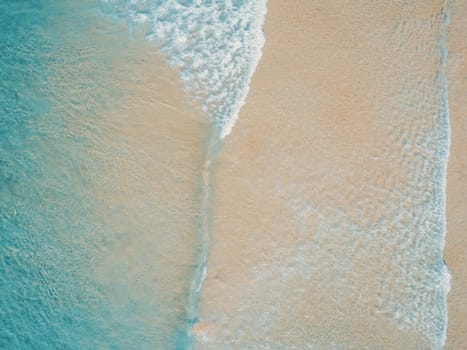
(314,161)
(456,240)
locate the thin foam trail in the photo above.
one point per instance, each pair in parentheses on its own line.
(200,272)
(444,87)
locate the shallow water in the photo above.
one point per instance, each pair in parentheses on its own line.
(100,158)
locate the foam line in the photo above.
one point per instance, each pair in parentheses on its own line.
(215,44)
(443,85)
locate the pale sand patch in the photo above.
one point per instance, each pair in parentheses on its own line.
(456,240)
(316,153)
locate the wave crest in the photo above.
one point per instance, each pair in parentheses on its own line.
(215,44)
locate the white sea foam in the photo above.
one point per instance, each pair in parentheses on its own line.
(216,45)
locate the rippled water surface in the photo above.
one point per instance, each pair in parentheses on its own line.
(99,166)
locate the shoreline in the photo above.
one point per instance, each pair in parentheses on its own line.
(456,210)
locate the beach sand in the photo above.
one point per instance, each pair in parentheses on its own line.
(302,255)
(456,240)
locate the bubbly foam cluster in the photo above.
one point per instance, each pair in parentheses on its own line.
(216,44)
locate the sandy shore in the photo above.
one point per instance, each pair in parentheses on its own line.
(302,254)
(456,241)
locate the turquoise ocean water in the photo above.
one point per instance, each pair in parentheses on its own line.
(98,188)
